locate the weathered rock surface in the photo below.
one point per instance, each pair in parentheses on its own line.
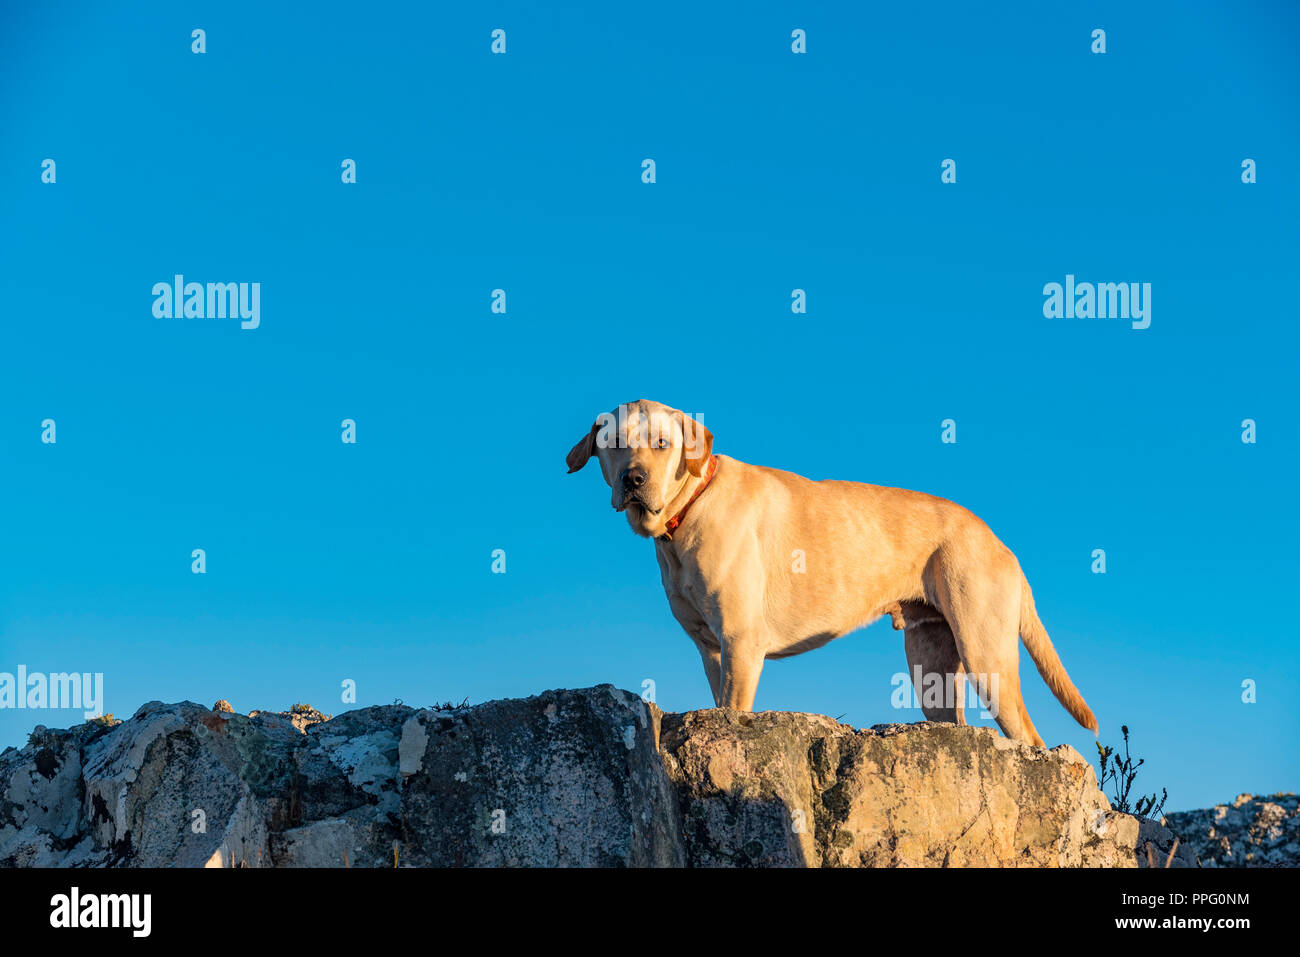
(777,789)
(593,777)
(1249,832)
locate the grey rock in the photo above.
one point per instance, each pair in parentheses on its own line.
(568,779)
(1250,832)
(300,718)
(594,777)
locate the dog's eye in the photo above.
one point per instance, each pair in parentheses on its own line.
(663,444)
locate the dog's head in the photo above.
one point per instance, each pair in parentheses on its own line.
(648,454)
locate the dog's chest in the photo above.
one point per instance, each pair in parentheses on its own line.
(680,584)
(670,568)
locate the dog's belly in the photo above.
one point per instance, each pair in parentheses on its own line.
(903,614)
(810,643)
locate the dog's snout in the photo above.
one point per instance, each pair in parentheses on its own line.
(634,477)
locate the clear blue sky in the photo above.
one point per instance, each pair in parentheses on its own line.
(775,171)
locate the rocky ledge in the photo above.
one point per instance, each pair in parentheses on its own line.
(1249,832)
(594,777)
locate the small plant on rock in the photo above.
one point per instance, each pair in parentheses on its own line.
(1120,774)
(449,706)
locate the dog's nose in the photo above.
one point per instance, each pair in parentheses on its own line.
(634,477)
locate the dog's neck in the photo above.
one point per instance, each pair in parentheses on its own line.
(691,490)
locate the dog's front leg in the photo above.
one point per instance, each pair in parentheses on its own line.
(742,663)
(711,655)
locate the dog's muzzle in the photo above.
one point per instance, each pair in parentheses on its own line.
(631,498)
(633,480)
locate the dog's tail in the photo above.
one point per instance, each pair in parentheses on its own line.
(1039,646)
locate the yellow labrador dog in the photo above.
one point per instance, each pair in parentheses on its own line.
(760,563)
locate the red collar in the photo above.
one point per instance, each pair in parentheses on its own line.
(676,520)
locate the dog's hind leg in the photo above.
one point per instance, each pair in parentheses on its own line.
(983,607)
(932,651)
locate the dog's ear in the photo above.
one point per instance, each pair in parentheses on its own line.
(699,445)
(586,446)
